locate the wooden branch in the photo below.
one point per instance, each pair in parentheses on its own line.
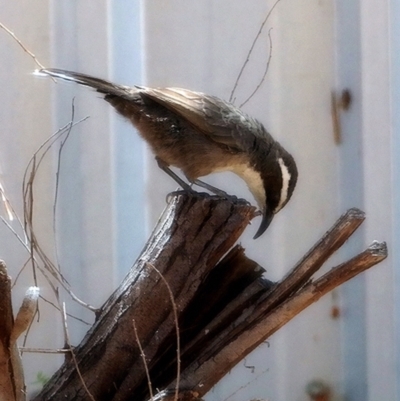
(225,309)
(297,277)
(221,355)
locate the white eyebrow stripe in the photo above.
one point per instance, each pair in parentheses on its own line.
(286,176)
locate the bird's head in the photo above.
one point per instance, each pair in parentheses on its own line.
(278,173)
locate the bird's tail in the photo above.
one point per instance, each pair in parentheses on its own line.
(100,85)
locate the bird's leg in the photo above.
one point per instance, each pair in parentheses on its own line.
(214,190)
(187,188)
(218,192)
(164,167)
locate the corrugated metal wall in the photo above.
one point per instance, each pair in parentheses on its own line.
(111,192)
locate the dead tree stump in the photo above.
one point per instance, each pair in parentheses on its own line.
(190,269)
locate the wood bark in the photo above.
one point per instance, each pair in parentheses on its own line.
(225,307)
(190,238)
(7,388)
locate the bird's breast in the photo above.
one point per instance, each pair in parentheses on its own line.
(253,180)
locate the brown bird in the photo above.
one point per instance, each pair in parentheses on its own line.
(202,134)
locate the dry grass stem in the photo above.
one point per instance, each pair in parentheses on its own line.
(143,356)
(24,48)
(178,342)
(231,98)
(265,72)
(66,334)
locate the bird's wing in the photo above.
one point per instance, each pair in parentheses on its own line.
(100,85)
(219,120)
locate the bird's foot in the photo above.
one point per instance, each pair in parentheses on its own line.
(190,192)
(219,192)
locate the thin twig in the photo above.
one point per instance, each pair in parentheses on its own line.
(19,273)
(251,50)
(24,48)
(43,272)
(66,333)
(265,72)
(178,342)
(27,190)
(68,314)
(6,203)
(63,141)
(143,356)
(14,214)
(247,384)
(28,217)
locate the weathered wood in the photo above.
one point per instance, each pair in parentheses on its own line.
(7,388)
(210,311)
(225,309)
(230,347)
(192,235)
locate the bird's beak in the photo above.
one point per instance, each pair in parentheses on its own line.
(266,221)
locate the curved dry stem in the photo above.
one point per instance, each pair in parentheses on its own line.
(178,341)
(63,141)
(68,314)
(33,245)
(251,50)
(265,72)
(6,203)
(66,334)
(143,356)
(24,48)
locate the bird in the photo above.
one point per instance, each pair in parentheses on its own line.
(201,134)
